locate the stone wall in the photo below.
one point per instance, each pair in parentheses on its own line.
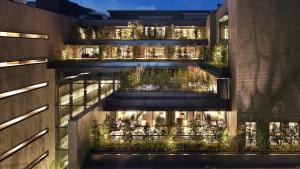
(79,130)
(16,17)
(264,45)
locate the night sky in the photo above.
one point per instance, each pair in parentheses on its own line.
(103,5)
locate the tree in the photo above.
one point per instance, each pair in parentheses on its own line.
(197,133)
(75,33)
(153,53)
(220,56)
(127,135)
(138,29)
(148,30)
(185,53)
(160,122)
(100,54)
(95,134)
(169,32)
(119,52)
(170,51)
(147,133)
(104,32)
(179,53)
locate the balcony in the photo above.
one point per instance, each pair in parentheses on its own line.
(166,101)
(135,30)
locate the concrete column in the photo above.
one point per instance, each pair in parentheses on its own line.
(223,88)
(85,94)
(71,100)
(149,118)
(190,115)
(78,133)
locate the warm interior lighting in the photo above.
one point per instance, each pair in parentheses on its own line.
(23,90)
(21,118)
(23,35)
(22,145)
(20,63)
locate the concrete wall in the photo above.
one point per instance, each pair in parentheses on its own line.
(264,59)
(16,17)
(79,133)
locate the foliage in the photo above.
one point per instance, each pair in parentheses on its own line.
(262,135)
(192,79)
(147,133)
(220,56)
(95,133)
(169,32)
(198,134)
(170,51)
(160,122)
(104,32)
(75,33)
(127,135)
(138,29)
(108,125)
(89,33)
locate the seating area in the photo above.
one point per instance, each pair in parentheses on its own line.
(160,125)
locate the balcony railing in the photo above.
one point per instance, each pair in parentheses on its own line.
(136,31)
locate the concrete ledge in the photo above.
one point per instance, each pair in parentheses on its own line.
(193,161)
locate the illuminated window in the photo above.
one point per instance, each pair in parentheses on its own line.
(23,90)
(22,35)
(181,117)
(250,134)
(123,52)
(136,117)
(155,53)
(23,117)
(185,52)
(20,63)
(89,51)
(124,32)
(155,32)
(182,32)
(160,114)
(225,32)
(283,133)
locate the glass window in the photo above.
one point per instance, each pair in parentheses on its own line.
(250,134)
(283,133)
(225,32)
(161,114)
(155,52)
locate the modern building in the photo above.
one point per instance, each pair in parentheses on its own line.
(158,74)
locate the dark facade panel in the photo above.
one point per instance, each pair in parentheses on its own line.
(164,102)
(137,14)
(146,22)
(116,66)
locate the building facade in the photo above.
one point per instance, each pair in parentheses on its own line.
(232,71)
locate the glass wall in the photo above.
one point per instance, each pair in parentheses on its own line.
(135,31)
(108,52)
(76,93)
(182,124)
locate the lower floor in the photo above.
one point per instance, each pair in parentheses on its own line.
(160,124)
(192,161)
